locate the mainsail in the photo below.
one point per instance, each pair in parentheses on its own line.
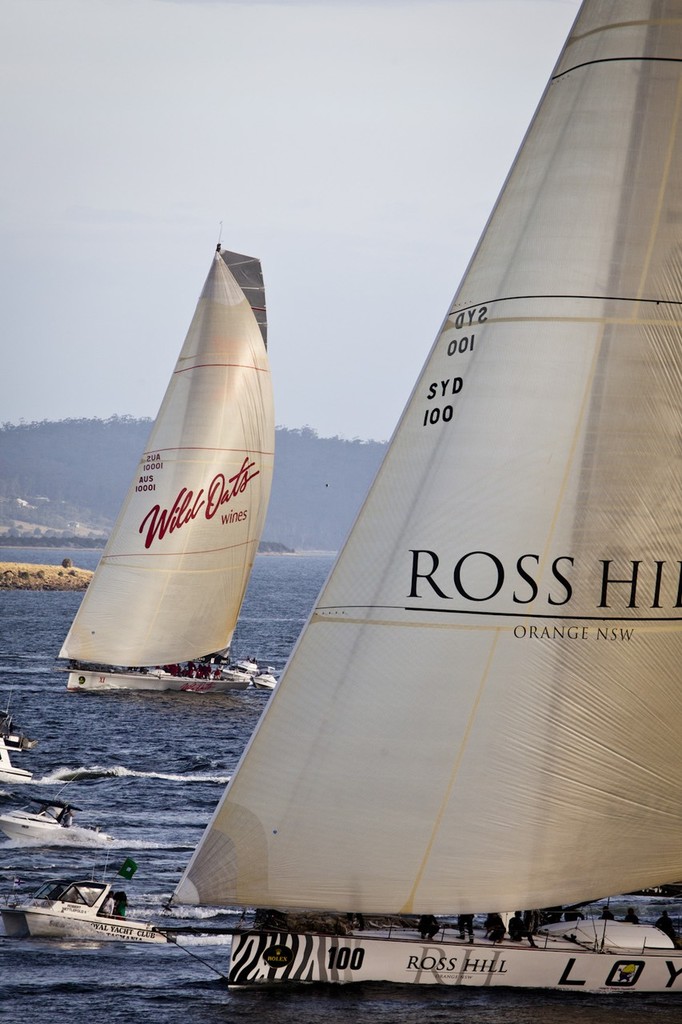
(484,709)
(172,578)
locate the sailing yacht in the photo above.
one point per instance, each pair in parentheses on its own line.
(163,604)
(519,552)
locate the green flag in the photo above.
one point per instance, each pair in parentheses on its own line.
(127,868)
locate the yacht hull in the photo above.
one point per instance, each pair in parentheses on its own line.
(85,680)
(274,958)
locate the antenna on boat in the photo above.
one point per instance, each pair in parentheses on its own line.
(74,778)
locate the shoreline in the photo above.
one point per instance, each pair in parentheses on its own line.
(27,576)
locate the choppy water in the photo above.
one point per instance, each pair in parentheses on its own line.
(149,769)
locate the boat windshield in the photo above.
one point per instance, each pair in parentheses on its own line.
(50,890)
(86,893)
(49,811)
(83,892)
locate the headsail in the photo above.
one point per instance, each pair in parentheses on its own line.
(483,712)
(172,578)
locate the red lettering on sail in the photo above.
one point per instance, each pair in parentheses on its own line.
(160,521)
(220,492)
(187,506)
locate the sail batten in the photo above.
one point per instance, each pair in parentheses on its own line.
(483,711)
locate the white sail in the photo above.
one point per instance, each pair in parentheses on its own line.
(172,578)
(484,710)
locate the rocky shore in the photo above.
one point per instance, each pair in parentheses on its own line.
(26,576)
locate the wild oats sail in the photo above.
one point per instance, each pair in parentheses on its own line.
(483,712)
(172,578)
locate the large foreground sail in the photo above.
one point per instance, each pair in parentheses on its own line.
(484,710)
(172,578)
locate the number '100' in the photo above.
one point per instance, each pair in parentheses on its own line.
(436,414)
(341,957)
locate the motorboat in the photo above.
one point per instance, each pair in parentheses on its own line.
(12,740)
(265,680)
(249,665)
(11,737)
(261,679)
(51,823)
(74,909)
(8,772)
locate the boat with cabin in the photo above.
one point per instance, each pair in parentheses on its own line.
(12,740)
(52,823)
(73,908)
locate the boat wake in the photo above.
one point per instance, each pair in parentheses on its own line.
(199,939)
(143,844)
(66,837)
(186,912)
(119,771)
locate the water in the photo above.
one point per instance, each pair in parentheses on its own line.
(149,769)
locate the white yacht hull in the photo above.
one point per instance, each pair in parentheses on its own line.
(76,923)
(85,680)
(556,963)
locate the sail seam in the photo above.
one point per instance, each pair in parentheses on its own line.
(594,298)
(238,366)
(481,612)
(617,60)
(179,554)
(199,448)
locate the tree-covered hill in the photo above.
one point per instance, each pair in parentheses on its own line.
(69,478)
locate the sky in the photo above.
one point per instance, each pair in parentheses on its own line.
(356,148)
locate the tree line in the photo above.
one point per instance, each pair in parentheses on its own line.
(80,470)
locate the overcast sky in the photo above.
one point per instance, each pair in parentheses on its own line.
(355,148)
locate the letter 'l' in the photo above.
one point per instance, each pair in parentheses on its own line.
(564,979)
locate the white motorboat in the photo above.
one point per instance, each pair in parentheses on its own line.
(73,909)
(12,740)
(249,665)
(261,679)
(266,680)
(8,772)
(52,823)
(170,584)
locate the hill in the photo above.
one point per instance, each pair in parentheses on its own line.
(68,478)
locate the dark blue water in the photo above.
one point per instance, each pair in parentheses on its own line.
(149,769)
